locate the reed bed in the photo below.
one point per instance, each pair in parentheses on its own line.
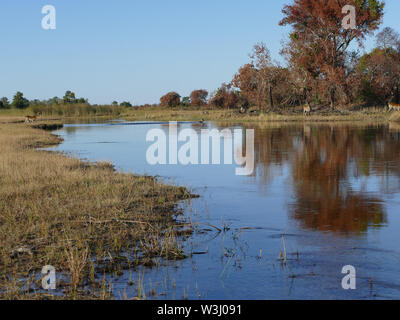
(75,110)
(157,113)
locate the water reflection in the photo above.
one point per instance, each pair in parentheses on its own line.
(327,164)
(334,170)
(340,181)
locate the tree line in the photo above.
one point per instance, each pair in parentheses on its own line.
(322,68)
(69,98)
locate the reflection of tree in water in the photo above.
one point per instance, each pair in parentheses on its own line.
(322,170)
(325,160)
(273,146)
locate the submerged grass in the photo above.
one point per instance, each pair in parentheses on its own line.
(85,219)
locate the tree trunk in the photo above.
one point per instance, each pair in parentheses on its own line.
(305,95)
(333,91)
(271,100)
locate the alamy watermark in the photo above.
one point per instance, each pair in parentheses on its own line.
(49,278)
(349,21)
(49,20)
(188,153)
(349,281)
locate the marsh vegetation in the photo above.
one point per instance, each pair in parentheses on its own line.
(85,219)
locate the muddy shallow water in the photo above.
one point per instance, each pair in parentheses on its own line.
(327,194)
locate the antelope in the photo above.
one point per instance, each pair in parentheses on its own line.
(394,106)
(307,109)
(29,119)
(242,110)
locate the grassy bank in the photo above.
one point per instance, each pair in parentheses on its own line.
(192,114)
(84,219)
(73,110)
(195,114)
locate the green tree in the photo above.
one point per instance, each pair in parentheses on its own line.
(69,97)
(126,104)
(82,101)
(19,101)
(36,102)
(4,103)
(54,101)
(186,101)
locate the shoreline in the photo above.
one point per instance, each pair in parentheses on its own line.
(83,218)
(61,224)
(218,115)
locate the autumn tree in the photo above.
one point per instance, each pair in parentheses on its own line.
(265,74)
(247,82)
(199,97)
(258,79)
(280,91)
(388,38)
(286,91)
(171,99)
(227,98)
(379,70)
(319,43)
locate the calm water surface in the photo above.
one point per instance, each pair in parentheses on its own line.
(331,190)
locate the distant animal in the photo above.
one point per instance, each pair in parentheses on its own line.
(307,109)
(394,106)
(205,112)
(29,119)
(242,110)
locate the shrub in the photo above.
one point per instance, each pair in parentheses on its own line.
(171,99)
(199,97)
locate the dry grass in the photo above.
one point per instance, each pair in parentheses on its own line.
(395,117)
(76,110)
(84,219)
(197,114)
(191,114)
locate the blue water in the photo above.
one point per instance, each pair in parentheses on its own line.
(330,193)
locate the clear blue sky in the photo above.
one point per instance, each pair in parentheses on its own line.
(135,50)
